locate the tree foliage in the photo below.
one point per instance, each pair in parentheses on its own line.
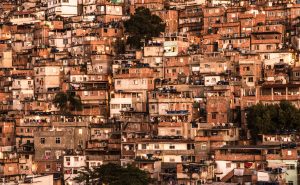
(67,102)
(143,25)
(277,118)
(113,174)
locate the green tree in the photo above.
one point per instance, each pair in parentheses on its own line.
(67,102)
(113,174)
(268,119)
(87,176)
(142,26)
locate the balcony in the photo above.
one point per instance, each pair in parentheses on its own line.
(177,112)
(167,152)
(216,138)
(239,157)
(186,14)
(129,152)
(13,160)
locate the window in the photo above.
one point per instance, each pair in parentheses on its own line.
(42,140)
(118,82)
(250,79)
(57,140)
(10,168)
(228,165)
(290,167)
(203,146)
(58,166)
(269,47)
(68,159)
(58,154)
(65,41)
(115,106)
(214,115)
(144,146)
(156,146)
(76,159)
(125,106)
(47,153)
(297,74)
(290,183)
(48,166)
(172,147)
(267,56)
(246,68)
(190,146)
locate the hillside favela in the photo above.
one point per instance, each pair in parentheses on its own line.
(150,92)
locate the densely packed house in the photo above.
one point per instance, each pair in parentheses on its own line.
(175,108)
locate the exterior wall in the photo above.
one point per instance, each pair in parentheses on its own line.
(273,58)
(291,173)
(225,167)
(74,161)
(65,9)
(173,48)
(133,84)
(217,110)
(23,19)
(38,180)
(211,80)
(46,77)
(6,59)
(170,17)
(116,105)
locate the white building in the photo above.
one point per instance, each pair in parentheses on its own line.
(211,80)
(89,6)
(121,101)
(21,18)
(64,8)
(71,166)
(46,78)
(22,89)
(167,151)
(40,180)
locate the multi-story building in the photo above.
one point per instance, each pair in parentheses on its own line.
(176,107)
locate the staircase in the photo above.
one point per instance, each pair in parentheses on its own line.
(228,176)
